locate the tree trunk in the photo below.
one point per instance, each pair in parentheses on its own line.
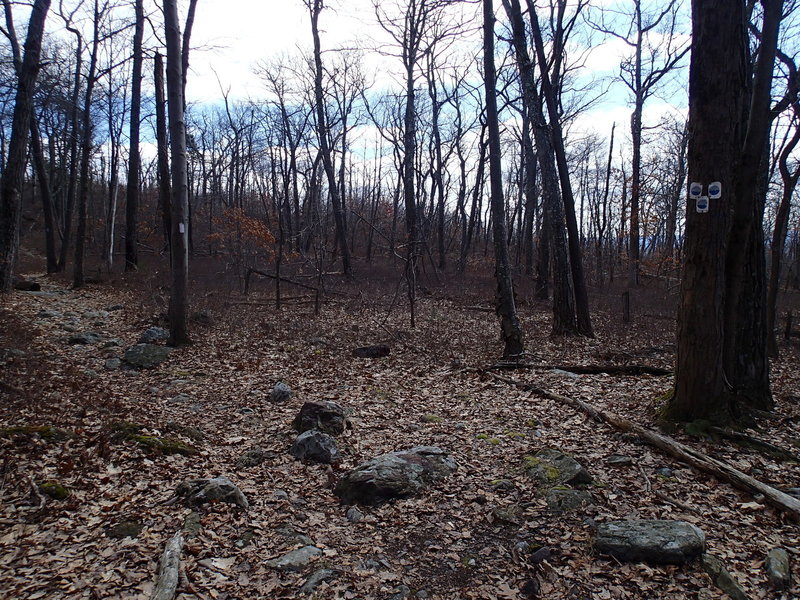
(162,145)
(134,159)
(179,301)
(506,309)
(14,171)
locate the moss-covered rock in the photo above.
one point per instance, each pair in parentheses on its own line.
(550,467)
(430,418)
(134,432)
(54,490)
(125,529)
(46,432)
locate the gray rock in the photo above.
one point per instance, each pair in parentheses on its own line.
(664,472)
(125,529)
(112,343)
(26,285)
(401,592)
(246,411)
(656,542)
(252,457)
(315,446)
(152,335)
(70,326)
(91,373)
(376,351)
(179,399)
(618,460)
(563,373)
(552,467)
(567,500)
(722,578)
(395,475)
(329,417)
(146,356)
(219,489)
(354,515)
(281,392)
(315,579)
(112,364)
(48,314)
(114,307)
(296,560)
(84,339)
(201,317)
(779,572)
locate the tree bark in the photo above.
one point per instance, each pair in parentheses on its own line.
(134,158)
(179,301)
(14,171)
(506,309)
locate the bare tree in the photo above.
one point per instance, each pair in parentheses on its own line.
(134,156)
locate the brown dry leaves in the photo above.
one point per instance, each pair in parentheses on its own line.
(468,537)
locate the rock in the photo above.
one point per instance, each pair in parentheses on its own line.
(296,560)
(329,417)
(562,500)
(48,314)
(376,351)
(201,317)
(563,373)
(84,339)
(125,529)
(553,467)
(281,392)
(246,411)
(219,489)
(618,460)
(664,472)
(394,475)
(179,399)
(354,515)
(114,307)
(315,446)
(252,457)
(91,373)
(146,356)
(722,579)
(112,343)
(656,542)
(152,335)
(779,572)
(401,592)
(315,579)
(192,525)
(26,285)
(55,490)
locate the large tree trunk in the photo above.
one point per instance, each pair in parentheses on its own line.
(162,151)
(14,172)
(134,158)
(506,309)
(179,301)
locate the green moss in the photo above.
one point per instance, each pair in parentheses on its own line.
(125,429)
(164,445)
(698,428)
(514,434)
(55,490)
(482,436)
(494,441)
(532,423)
(430,418)
(46,432)
(550,472)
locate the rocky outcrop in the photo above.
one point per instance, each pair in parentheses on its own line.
(656,542)
(329,417)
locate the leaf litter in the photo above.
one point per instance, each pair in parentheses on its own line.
(486,532)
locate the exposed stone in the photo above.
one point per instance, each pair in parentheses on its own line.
(54,490)
(152,335)
(26,285)
(252,457)
(664,472)
(375,351)
(395,475)
(48,314)
(114,307)
(618,460)
(84,339)
(317,577)
(354,515)
(125,529)
(315,446)
(219,489)
(146,356)
(329,417)
(296,560)
(201,317)
(779,572)
(722,578)
(567,500)
(179,399)
(656,542)
(192,525)
(552,467)
(281,392)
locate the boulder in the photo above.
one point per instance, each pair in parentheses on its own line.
(296,560)
(315,446)
(146,356)
(112,364)
(219,489)
(395,475)
(26,285)
(84,339)
(329,417)
(252,457)
(152,335)
(655,542)
(280,393)
(779,572)
(375,351)
(552,467)
(562,500)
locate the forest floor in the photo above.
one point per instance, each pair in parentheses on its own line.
(465,537)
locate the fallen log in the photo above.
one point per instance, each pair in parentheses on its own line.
(169,569)
(756,443)
(612,369)
(695,458)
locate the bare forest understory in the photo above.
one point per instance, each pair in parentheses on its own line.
(485,532)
